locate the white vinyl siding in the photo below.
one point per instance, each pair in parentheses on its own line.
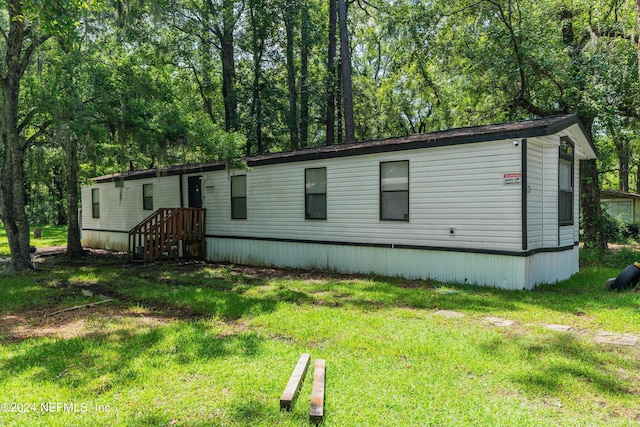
(535,195)
(120,207)
(451,187)
(553,233)
(550,231)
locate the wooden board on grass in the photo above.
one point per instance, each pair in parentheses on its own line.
(316,415)
(293,386)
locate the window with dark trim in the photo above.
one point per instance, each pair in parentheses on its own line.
(239,197)
(315,193)
(95,202)
(394,191)
(147,197)
(565,182)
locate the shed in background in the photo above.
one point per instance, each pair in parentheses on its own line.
(622,205)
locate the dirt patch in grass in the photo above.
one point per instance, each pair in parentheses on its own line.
(21,325)
(123,313)
(413,284)
(56,255)
(47,257)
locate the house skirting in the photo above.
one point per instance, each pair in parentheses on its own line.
(110,240)
(502,270)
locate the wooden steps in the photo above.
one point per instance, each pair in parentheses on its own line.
(169,233)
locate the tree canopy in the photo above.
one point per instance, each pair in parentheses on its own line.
(99,86)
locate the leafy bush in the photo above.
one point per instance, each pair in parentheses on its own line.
(615,229)
(632,232)
(611,259)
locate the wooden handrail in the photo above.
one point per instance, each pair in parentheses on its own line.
(160,234)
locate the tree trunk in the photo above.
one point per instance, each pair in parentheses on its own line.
(339,104)
(228,67)
(122,137)
(206,61)
(257,41)
(594,235)
(330,121)
(292,116)
(345,64)
(624,155)
(58,191)
(592,217)
(74,247)
(13,184)
(622,151)
(623,169)
(14,217)
(638,21)
(304,76)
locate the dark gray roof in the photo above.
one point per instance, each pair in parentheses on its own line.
(467,135)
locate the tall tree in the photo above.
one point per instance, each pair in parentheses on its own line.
(69,141)
(290,15)
(305,47)
(330,121)
(638,24)
(20,45)
(211,23)
(345,68)
(258,21)
(27,26)
(225,32)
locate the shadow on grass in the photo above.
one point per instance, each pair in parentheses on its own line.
(245,413)
(20,292)
(125,357)
(233,292)
(559,364)
(205,291)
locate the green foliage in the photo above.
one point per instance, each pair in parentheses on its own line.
(140,84)
(617,260)
(614,228)
(618,231)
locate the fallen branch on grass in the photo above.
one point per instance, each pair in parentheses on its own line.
(79,307)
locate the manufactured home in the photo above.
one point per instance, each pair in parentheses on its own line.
(493,205)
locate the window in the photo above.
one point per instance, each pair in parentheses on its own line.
(239,197)
(315,193)
(394,191)
(147,197)
(95,202)
(565,182)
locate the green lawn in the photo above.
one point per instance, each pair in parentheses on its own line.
(211,345)
(51,236)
